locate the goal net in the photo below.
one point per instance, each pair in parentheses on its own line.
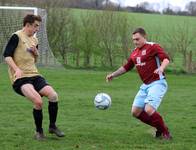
(12,20)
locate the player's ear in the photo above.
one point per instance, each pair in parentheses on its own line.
(145,36)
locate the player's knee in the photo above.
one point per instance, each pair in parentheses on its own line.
(53,97)
(134,113)
(38,104)
(149,110)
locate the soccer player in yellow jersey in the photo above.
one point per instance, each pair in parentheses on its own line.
(20,54)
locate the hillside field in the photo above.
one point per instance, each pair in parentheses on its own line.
(87,128)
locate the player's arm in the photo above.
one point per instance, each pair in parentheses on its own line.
(123,69)
(164,64)
(11,63)
(116,73)
(163,56)
(9,52)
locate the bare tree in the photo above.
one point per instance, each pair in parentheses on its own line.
(59,32)
(3,2)
(181,38)
(168,11)
(191,7)
(144,5)
(126,26)
(75,44)
(98,3)
(108,36)
(88,37)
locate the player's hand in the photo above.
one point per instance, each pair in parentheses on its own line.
(18,73)
(159,70)
(34,50)
(109,77)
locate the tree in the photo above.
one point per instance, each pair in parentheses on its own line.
(75,44)
(168,11)
(180,39)
(191,7)
(107,36)
(60,32)
(98,3)
(88,37)
(126,25)
(144,5)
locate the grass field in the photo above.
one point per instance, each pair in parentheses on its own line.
(87,128)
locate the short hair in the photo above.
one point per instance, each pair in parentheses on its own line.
(30,18)
(140,31)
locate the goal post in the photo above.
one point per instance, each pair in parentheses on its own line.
(34,9)
(11,21)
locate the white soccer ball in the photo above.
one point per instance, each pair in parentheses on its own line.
(102,101)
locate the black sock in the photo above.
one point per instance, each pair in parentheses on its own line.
(38,117)
(52,110)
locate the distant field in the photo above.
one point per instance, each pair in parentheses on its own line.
(87,128)
(155,24)
(159,27)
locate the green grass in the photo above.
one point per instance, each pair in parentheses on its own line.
(87,128)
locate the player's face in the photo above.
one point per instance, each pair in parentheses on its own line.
(138,40)
(33,28)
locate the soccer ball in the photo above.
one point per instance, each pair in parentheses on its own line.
(102,101)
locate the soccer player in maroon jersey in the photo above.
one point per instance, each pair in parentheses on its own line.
(150,61)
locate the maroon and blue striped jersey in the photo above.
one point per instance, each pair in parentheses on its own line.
(146,60)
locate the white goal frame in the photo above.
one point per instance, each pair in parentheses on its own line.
(35,9)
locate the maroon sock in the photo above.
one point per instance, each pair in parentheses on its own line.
(158,123)
(144,117)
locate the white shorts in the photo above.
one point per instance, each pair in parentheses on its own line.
(151,94)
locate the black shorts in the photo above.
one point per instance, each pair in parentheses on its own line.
(38,83)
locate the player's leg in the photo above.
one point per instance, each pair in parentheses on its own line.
(46,90)
(138,106)
(49,92)
(157,121)
(144,107)
(29,92)
(156,91)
